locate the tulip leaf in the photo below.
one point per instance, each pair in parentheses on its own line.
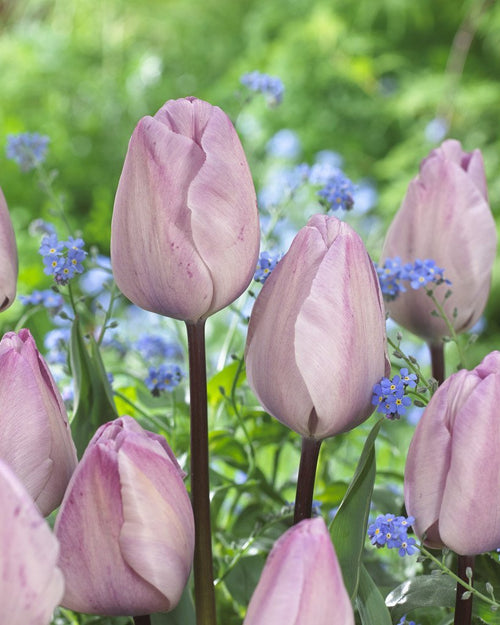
(348,528)
(94,403)
(369,601)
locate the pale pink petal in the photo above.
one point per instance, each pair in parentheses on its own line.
(8,257)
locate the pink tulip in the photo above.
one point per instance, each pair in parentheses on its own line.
(125,525)
(35,439)
(316,342)
(452,476)
(31,585)
(8,257)
(445,217)
(185,229)
(301,581)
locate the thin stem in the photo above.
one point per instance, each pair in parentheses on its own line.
(200,486)
(142,620)
(437,362)
(305,482)
(463,607)
(453,334)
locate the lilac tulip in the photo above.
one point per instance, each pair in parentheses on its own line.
(185,230)
(452,476)
(301,581)
(31,584)
(125,525)
(8,257)
(445,216)
(35,438)
(316,341)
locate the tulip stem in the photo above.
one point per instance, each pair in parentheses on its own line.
(463,607)
(142,620)
(305,481)
(437,362)
(200,485)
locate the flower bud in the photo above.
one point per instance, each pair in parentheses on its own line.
(316,342)
(301,581)
(125,525)
(185,230)
(35,438)
(32,585)
(8,257)
(445,216)
(452,475)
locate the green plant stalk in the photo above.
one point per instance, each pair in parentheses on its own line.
(200,486)
(449,325)
(437,362)
(142,620)
(411,365)
(305,481)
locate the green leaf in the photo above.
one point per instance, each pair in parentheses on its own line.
(348,528)
(94,403)
(370,603)
(422,592)
(183,614)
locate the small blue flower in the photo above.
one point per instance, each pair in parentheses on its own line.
(391,531)
(389,394)
(48,298)
(152,346)
(403,621)
(27,149)
(390,276)
(270,86)
(338,192)
(163,378)
(266,263)
(62,259)
(284,144)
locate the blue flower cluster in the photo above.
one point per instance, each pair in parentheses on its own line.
(391,531)
(266,263)
(163,378)
(48,298)
(418,274)
(338,192)
(403,621)
(389,394)
(270,86)
(155,346)
(62,259)
(27,149)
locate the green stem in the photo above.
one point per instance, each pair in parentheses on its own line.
(200,485)
(305,481)
(463,607)
(411,364)
(453,335)
(437,362)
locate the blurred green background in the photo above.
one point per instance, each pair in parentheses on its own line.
(374,80)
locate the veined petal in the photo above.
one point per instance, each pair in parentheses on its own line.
(8,257)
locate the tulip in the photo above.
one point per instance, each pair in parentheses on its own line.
(445,216)
(125,525)
(452,475)
(301,581)
(185,228)
(8,257)
(32,585)
(316,341)
(35,438)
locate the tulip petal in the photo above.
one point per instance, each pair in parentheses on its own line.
(8,257)
(31,584)
(469,521)
(155,262)
(157,534)
(340,329)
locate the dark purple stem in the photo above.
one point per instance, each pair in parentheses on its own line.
(463,608)
(437,361)
(142,620)
(305,481)
(200,487)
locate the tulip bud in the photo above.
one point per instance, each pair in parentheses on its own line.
(8,257)
(316,342)
(452,475)
(32,585)
(35,438)
(445,216)
(301,581)
(185,230)
(125,525)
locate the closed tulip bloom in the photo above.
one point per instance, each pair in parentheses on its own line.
(185,229)
(125,525)
(452,475)
(301,583)
(31,584)
(35,438)
(8,257)
(445,217)
(316,341)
